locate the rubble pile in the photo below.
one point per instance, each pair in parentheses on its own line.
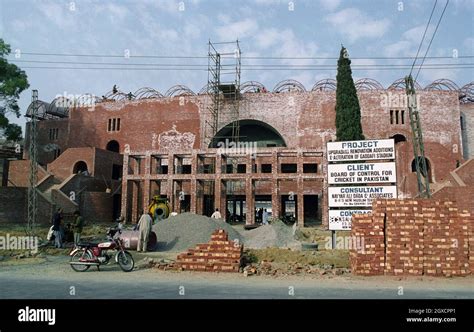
(266,268)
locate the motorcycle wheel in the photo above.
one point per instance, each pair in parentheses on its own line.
(125,260)
(76,258)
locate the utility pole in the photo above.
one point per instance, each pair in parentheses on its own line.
(417,137)
(32,151)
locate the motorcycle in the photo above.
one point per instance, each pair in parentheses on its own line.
(86,255)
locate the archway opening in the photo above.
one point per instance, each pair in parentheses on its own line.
(113,146)
(428,168)
(250,131)
(399,138)
(80,167)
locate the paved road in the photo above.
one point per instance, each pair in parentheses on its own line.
(54,279)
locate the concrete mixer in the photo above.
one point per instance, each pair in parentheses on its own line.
(159,208)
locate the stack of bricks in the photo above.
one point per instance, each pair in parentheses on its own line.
(404,237)
(414,237)
(446,235)
(369,258)
(218,255)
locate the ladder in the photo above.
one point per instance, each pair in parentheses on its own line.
(417,137)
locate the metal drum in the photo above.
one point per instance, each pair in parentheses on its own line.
(130,240)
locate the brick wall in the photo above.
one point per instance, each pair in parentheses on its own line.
(13,206)
(304,120)
(19,171)
(414,237)
(467,113)
(97,207)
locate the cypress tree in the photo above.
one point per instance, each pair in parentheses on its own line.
(348,120)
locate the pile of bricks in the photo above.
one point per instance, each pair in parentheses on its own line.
(370,229)
(218,255)
(414,237)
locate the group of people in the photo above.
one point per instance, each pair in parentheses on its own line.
(59,230)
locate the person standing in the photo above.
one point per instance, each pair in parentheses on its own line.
(78,225)
(58,238)
(216,215)
(265,217)
(144,227)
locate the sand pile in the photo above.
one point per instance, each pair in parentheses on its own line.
(184,231)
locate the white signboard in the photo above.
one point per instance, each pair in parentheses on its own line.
(341,220)
(362,173)
(361,150)
(359,196)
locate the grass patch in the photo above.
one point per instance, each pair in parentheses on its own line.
(336,258)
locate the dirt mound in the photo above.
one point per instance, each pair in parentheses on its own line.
(186,230)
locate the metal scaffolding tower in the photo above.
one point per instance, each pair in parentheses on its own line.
(32,151)
(224,68)
(417,137)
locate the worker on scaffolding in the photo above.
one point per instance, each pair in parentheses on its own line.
(144,228)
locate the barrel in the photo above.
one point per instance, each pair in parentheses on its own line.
(130,240)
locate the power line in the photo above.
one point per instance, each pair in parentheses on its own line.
(464,66)
(423,38)
(432,38)
(177,65)
(243,57)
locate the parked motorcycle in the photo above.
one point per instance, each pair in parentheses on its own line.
(96,254)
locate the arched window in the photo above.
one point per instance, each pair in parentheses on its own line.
(113,146)
(399,138)
(80,167)
(252,131)
(428,168)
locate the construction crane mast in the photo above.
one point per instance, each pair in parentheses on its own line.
(417,137)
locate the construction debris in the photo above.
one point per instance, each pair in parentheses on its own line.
(265,268)
(218,255)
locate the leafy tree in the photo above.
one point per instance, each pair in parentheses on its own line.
(348,120)
(13,81)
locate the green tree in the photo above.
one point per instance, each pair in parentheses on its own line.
(13,81)
(348,125)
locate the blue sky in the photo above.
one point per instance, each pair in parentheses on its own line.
(314,28)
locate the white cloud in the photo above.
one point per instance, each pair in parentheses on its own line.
(330,4)
(238,29)
(354,24)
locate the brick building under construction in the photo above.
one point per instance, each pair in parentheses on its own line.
(110,157)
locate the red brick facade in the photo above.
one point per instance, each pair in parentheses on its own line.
(174,129)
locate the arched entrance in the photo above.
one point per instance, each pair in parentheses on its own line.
(113,146)
(80,167)
(252,131)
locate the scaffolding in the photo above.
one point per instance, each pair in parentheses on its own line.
(223,86)
(33,152)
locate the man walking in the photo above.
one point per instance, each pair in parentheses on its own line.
(77,227)
(144,226)
(58,237)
